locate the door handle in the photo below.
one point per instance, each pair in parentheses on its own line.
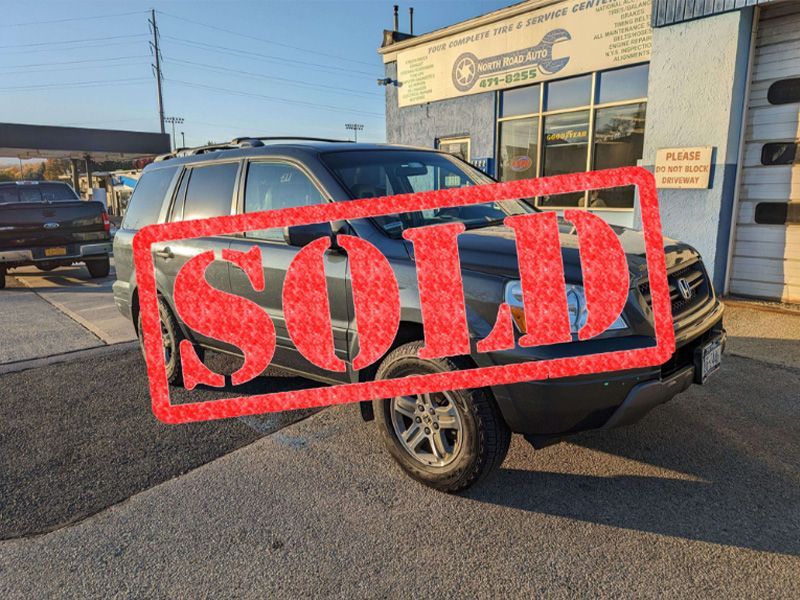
(165,253)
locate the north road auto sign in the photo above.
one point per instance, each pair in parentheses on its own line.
(564,39)
(468,68)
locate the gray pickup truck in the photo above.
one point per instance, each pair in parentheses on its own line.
(446,440)
(44,223)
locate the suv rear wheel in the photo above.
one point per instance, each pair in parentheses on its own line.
(171,336)
(3,273)
(449,440)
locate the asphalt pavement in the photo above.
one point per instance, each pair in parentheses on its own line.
(99,499)
(700,499)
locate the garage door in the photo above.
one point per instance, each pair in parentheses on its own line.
(766,252)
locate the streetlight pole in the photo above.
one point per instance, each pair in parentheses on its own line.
(183,140)
(173,120)
(355,128)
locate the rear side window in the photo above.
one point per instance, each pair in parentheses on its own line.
(210,191)
(148,195)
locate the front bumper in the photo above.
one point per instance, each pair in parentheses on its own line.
(547,410)
(75,252)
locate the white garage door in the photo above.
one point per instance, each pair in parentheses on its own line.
(766,253)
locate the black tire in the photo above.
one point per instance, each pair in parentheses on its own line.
(98,267)
(174,336)
(46,268)
(2,277)
(486,435)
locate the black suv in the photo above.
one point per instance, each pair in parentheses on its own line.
(470,429)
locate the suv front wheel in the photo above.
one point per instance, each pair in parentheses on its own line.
(448,440)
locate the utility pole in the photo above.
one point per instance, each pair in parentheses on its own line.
(154,48)
(173,120)
(355,128)
(183,140)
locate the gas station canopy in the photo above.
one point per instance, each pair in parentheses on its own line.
(45,141)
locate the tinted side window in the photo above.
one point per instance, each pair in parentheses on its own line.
(276,185)
(210,191)
(147,198)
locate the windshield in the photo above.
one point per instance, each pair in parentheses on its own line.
(370,174)
(47,192)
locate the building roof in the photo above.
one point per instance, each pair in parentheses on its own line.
(47,141)
(389,52)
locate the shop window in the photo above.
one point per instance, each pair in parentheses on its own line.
(622,84)
(618,142)
(520,101)
(456,146)
(519,147)
(566,142)
(785,91)
(568,93)
(779,153)
(777,213)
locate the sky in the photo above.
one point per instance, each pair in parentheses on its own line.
(231,68)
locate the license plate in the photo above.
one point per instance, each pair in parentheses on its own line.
(707,360)
(57,251)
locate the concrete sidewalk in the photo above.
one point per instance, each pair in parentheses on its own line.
(63,311)
(764,332)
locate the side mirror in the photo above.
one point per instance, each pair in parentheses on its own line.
(302,235)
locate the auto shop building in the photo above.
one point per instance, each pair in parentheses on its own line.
(704,93)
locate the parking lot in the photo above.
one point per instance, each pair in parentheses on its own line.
(100,499)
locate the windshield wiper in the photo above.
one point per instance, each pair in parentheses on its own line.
(481,224)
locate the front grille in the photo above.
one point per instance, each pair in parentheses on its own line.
(696,282)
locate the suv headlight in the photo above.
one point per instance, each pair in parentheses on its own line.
(576,305)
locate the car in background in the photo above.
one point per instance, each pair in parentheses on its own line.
(45,224)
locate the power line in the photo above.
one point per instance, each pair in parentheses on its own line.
(126,63)
(68,62)
(263,40)
(88,46)
(75,41)
(274,98)
(70,19)
(272,57)
(76,84)
(286,80)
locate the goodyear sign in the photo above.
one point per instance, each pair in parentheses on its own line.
(562,39)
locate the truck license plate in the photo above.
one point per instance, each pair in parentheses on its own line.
(56,251)
(708,359)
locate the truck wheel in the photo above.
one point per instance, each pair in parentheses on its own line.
(449,440)
(46,267)
(98,267)
(172,336)
(2,277)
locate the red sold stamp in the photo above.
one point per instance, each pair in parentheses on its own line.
(376,302)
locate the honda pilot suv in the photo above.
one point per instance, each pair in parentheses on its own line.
(447,440)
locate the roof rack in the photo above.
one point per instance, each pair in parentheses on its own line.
(277,138)
(240,142)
